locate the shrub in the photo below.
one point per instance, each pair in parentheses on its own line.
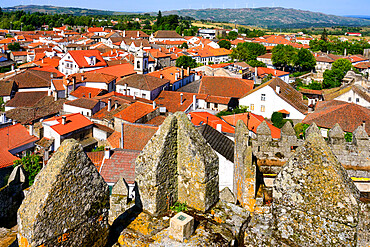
(179,207)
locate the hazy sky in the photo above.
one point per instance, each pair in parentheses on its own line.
(337,7)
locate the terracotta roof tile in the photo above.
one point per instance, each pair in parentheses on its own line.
(199,118)
(348,115)
(26,99)
(74,122)
(171,100)
(144,82)
(225,86)
(136,136)
(83,103)
(135,111)
(79,57)
(86,92)
(120,164)
(96,158)
(120,70)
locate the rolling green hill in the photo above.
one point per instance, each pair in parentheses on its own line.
(271,17)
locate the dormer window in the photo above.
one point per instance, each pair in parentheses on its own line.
(91,60)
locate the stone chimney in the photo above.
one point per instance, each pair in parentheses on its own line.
(109,104)
(64,118)
(181,95)
(107,153)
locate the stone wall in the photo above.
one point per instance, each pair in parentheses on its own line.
(272,154)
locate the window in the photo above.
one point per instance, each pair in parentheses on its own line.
(216,105)
(357,100)
(349,99)
(138,64)
(262,108)
(263,97)
(252,107)
(143,95)
(208,105)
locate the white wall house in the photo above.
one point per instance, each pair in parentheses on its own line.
(81,61)
(354,95)
(267,100)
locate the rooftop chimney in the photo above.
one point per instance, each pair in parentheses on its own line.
(363,124)
(56,96)
(64,120)
(277,89)
(219,127)
(107,153)
(122,136)
(176,76)
(181,94)
(89,95)
(194,102)
(154,104)
(161,76)
(82,78)
(109,104)
(31,129)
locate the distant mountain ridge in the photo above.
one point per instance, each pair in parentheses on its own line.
(272,17)
(268,17)
(49,9)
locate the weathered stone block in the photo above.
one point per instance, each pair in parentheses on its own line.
(315,203)
(119,200)
(181,226)
(227,196)
(68,203)
(245,187)
(197,167)
(156,169)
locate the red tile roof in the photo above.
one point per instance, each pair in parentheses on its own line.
(169,73)
(225,86)
(348,115)
(74,121)
(253,122)
(18,136)
(86,103)
(86,91)
(143,82)
(199,118)
(121,164)
(135,111)
(171,100)
(96,158)
(120,70)
(136,136)
(79,57)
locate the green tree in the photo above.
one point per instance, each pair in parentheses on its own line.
(342,64)
(14,46)
(256,63)
(305,60)
(284,55)
(247,51)
(224,44)
(324,35)
(278,120)
(159,19)
(32,166)
(185,61)
(184,46)
(232,35)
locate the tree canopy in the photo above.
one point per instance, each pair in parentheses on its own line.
(185,61)
(247,51)
(305,60)
(224,44)
(284,55)
(334,76)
